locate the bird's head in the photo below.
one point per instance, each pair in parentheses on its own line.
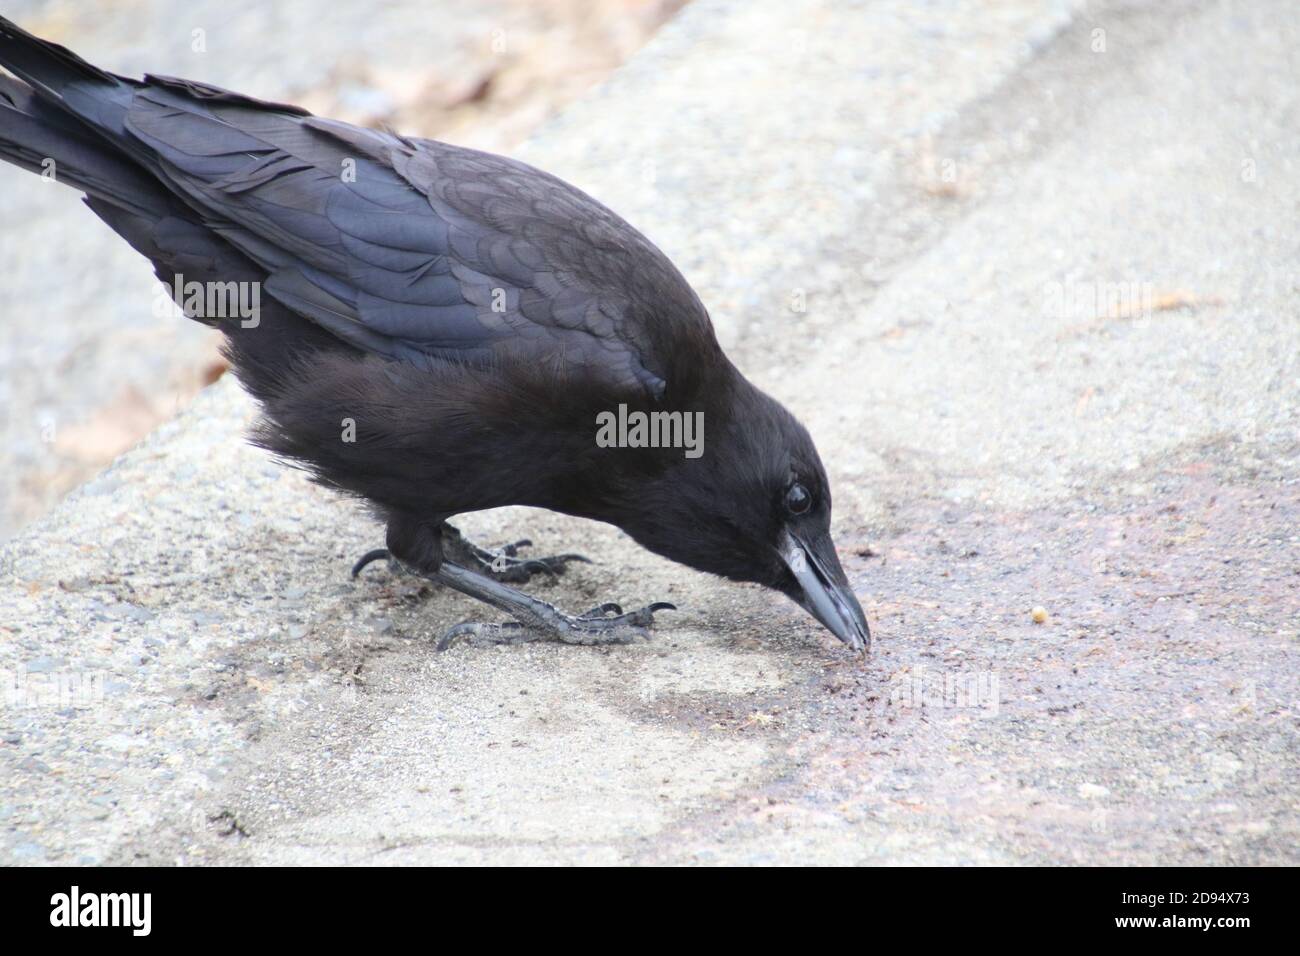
(754,506)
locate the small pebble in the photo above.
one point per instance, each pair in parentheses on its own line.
(1039,614)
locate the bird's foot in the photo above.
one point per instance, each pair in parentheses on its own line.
(604,624)
(454,562)
(503,565)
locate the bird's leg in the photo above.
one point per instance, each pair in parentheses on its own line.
(503,564)
(536,620)
(430,549)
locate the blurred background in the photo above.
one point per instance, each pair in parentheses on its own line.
(84,386)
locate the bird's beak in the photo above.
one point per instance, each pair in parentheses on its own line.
(826,593)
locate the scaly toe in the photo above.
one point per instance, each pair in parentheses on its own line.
(478,632)
(597,627)
(601,611)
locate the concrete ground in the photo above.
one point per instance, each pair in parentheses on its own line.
(1028,271)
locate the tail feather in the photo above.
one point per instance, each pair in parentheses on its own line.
(66,82)
(63,118)
(43,65)
(45,140)
(65,110)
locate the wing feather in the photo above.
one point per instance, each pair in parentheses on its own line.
(412,249)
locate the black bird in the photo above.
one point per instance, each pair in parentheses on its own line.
(439,331)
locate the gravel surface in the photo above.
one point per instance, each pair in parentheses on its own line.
(901,217)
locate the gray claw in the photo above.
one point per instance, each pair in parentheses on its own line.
(378,554)
(512,550)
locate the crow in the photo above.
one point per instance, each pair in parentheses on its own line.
(440,330)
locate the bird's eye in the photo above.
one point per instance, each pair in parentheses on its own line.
(797,499)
